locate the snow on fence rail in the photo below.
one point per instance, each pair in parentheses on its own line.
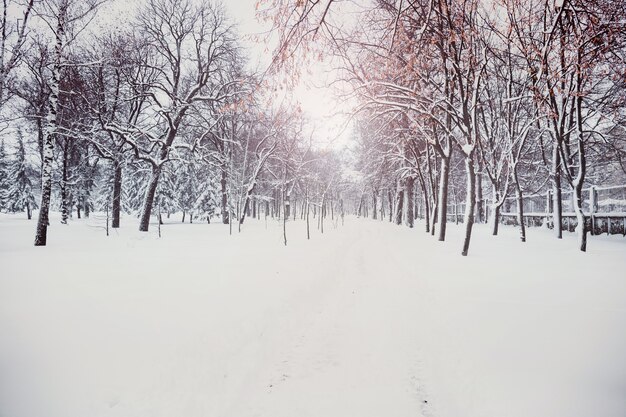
(604,209)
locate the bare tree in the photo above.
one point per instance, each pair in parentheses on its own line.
(190,46)
(12,42)
(65,18)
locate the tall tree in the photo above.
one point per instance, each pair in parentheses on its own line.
(64,18)
(190,45)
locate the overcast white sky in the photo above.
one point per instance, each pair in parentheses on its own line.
(317,100)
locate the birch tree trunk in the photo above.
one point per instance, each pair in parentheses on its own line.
(434,193)
(64,193)
(480,209)
(557,205)
(581,227)
(443,198)
(41,235)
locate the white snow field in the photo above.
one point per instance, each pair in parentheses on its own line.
(369,319)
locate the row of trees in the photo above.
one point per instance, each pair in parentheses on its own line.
(456,100)
(509,97)
(155,117)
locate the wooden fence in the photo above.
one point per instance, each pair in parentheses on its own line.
(604,209)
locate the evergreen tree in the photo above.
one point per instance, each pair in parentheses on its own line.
(168,192)
(186,189)
(18,195)
(207,202)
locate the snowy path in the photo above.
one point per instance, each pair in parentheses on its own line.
(368,320)
(354,354)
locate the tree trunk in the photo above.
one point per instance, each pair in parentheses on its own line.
(51,130)
(40,135)
(306,213)
(374,205)
(117,194)
(28,212)
(238,215)
(322,215)
(64,197)
(425,198)
(495,208)
(284,218)
(341,210)
(480,209)
(581,227)
(287,207)
(434,193)
(442,201)
(246,209)
(415,204)
(399,205)
(223,181)
(410,201)
(455,202)
(390,199)
(557,205)
(308,230)
(144,222)
(469,203)
(46,189)
(520,213)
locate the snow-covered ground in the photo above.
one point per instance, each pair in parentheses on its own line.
(370,319)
